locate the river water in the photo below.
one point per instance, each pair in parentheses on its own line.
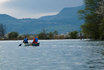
(52,55)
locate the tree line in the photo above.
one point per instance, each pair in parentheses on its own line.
(42,35)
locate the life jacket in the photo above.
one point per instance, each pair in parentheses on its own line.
(25,40)
(35,40)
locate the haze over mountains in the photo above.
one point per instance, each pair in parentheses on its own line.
(66,20)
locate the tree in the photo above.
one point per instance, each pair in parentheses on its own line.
(92,19)
(2,30)
(100,9)
(73,35)
(13,35)
(101,30)
(100,12)
(42,35)
(50,35)
(55,32)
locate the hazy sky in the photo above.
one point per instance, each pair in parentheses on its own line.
(35,8)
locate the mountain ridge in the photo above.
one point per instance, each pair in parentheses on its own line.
(65,21)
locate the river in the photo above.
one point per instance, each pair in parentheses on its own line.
(53,55)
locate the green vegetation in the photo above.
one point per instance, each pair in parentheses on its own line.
(2,31)
(93,14)
(13,35)
(55,35)
(50,35)
(43,35)
(47,35)
(73,35)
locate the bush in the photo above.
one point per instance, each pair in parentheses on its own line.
(13,35)
(73,35)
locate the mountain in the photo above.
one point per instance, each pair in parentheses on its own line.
(65,14)
(65,21)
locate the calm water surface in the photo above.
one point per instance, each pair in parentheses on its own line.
(53,55)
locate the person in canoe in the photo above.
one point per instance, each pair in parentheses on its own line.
(35,40)
(25,41)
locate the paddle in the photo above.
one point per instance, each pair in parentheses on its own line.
(20,44)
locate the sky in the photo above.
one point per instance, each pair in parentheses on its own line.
(35,8)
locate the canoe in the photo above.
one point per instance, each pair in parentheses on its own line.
(32,44)
(37,44)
